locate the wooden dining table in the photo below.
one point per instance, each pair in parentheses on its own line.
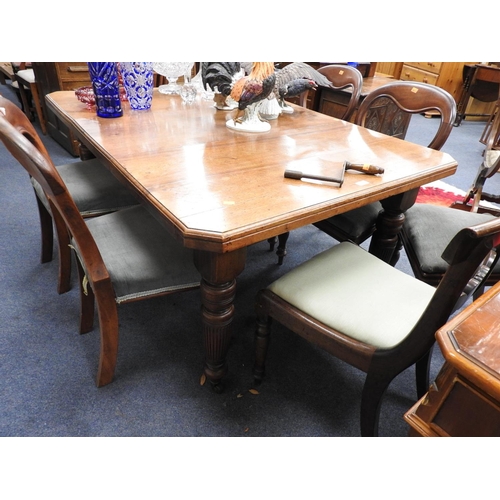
(219,190)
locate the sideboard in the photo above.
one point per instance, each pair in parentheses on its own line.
(464,400)
(52,76)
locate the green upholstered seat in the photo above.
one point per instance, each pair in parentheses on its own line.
(353,292)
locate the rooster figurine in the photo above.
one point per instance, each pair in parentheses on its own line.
(247,90)
(220,78)
(291,81)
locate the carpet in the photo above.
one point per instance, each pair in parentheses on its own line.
(439,193)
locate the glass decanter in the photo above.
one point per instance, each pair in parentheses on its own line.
(172,71)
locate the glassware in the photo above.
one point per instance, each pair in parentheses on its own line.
(172,71)
(138,83)
(188,90)
(104,76)
(86,95)
(207,94)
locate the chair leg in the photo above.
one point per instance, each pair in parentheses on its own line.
(371,401)
(261,345)
(281,252)
(108,324)
(38,107)
(87,302)
(23,93)
(47,230)
(422,373)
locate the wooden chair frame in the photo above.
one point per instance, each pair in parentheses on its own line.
(341,77)
(96,284)
(410,97)
(466,254)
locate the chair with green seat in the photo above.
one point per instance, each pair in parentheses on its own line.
(371,315)
(123,256)
(411,97)
(94,189)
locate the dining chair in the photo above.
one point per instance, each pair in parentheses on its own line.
(94,189)
(342,78)
(123,256)
(428,229)
(371,315)
(410,97)
(28,91)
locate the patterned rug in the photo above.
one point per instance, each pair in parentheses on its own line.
(439,193)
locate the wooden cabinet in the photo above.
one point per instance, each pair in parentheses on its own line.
(465,398)
(446,75)
(53,76)
(420,73)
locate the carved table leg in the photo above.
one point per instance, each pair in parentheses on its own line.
(385,240)
(218,289)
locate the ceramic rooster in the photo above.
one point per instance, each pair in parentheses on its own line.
(291,81)
(220,78)
(248,90)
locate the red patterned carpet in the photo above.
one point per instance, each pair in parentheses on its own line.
(439,193)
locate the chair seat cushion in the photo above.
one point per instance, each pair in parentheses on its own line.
(93,187)
(355,222)
(429,229)
(357,294)
(27,75)
(141,257)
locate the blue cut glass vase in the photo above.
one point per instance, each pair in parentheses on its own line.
(104,76)
(138,83)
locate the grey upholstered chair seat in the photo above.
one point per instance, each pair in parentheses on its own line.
(355,293)
(94,189)
(355,222)
(141,257)
(429,229)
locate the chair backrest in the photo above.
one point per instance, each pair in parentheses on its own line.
(341,78)
(19,120)
(22,141)
(413,97)
(471,256)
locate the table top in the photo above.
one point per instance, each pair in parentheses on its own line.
(219,190)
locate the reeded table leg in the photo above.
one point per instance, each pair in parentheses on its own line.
(218,289)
